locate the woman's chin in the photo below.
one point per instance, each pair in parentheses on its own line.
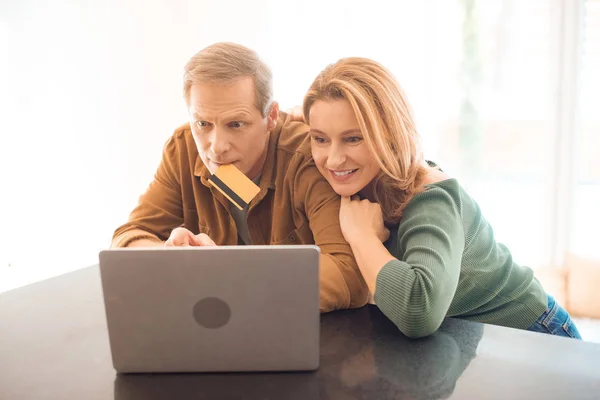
(345,191)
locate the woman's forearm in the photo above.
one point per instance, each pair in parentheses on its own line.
(371,255)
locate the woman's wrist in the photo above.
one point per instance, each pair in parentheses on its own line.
(362,238)
(371,255)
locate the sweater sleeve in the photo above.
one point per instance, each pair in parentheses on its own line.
(341,283)
(416,289)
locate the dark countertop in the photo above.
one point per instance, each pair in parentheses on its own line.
(54,345)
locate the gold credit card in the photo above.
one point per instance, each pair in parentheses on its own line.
(234,185)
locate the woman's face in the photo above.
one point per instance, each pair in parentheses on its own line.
(338,147)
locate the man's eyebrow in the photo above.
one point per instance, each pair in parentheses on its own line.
(237,114)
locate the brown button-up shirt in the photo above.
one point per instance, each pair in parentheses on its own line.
(295,205)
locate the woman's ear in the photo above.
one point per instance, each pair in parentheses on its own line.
(272,116)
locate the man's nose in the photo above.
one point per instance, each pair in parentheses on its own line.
(219,143)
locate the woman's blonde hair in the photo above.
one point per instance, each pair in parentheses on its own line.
(225,62)
(385,120)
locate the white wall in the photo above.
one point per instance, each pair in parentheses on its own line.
(92,89)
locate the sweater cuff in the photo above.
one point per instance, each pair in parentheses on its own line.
(125,238)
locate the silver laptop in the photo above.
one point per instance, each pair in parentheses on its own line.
(212,309)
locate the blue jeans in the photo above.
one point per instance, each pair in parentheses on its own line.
(555,321)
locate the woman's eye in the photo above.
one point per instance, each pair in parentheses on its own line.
(354,139)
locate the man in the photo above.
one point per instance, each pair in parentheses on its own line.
(233,120)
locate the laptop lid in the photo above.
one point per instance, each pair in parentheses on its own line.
(213,309)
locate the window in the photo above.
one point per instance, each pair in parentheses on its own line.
(493,84)
(586,202)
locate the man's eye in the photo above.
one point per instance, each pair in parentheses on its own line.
(202,124)
(236,124)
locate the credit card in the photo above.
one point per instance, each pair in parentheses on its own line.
(234,185)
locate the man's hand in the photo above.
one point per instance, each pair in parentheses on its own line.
(181,237)
(360,219)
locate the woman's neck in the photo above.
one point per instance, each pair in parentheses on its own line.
(368,192)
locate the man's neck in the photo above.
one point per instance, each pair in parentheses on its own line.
(257,168)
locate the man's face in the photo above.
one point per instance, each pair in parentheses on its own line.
(227,126)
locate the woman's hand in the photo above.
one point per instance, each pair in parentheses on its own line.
(362,225)
(360,219)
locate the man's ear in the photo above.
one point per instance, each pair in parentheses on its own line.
(272,116)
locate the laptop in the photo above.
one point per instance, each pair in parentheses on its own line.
(212,309)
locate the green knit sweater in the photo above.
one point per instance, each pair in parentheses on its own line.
(448,264)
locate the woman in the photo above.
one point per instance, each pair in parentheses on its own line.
(439,257)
